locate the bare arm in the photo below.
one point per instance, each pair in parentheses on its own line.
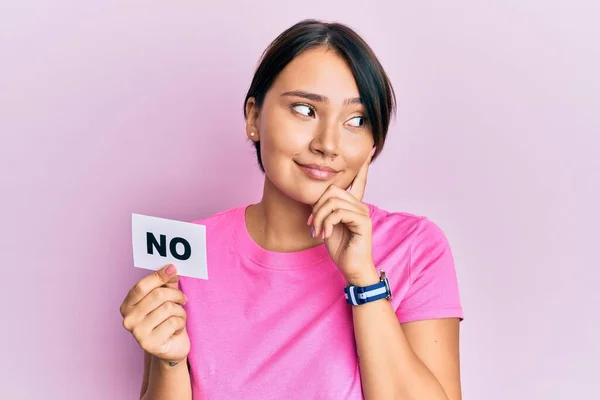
(146,373)
(153,312)
(436,344)
(413,361)
(164,382)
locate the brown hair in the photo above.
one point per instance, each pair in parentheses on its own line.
(374,87)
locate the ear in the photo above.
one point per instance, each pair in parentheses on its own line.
(252,120)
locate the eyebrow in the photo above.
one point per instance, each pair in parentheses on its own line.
(319,98)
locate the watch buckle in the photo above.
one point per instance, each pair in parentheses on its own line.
(383,278)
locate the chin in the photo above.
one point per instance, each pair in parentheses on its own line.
(306,192)
(297,187)
(309,197)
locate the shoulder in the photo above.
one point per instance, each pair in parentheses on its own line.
(417,254)
(404,226)
(218,219)
(219,230)
(221,227)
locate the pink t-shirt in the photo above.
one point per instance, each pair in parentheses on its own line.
(269,325)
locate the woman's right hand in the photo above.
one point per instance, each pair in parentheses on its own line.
(153,313)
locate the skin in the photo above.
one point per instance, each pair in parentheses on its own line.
(332,133)
(417,360)
(312,114)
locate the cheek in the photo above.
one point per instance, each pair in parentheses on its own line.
(356,148)
(351,171)
(282,134)
(355,158)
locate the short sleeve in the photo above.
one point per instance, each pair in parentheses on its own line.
(433,291)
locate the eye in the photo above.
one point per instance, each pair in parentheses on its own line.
(304,109)
(358,121)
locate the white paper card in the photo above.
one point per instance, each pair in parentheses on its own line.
(159,241)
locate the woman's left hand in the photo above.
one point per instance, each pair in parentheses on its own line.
(344,222)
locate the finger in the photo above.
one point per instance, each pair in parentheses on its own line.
(331,205)
(147,284)
(173,283)
(163,332)
(151,302)
(358,224)
(359,183)
(158,316)
(334,191)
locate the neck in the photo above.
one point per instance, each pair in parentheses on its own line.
(278,223)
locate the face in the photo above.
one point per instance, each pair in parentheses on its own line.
(312,127)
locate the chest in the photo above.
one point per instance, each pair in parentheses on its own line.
(278,342)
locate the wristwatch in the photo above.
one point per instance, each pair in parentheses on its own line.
(357,295)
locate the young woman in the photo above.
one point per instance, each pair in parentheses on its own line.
(313,294)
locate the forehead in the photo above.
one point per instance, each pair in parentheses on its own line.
(321,71)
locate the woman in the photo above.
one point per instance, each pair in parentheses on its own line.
(296,306)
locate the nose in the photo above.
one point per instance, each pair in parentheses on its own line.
(326,141)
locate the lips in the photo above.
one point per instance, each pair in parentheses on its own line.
(318,172)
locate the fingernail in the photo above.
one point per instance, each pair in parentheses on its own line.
(310,218)
(170,269)
(312,232)
(323,234)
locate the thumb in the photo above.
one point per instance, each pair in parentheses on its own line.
(168,275)
(173,283)
(164,276)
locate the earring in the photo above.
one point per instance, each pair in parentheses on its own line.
(252,134)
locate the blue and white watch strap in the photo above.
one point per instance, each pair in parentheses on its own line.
(357,295)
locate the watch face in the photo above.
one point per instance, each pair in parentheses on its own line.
(387,287)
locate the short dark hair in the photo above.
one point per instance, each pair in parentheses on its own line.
(374,87)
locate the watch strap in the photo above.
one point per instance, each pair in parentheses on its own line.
(357,295)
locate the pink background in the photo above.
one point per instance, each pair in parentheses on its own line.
(113,107)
